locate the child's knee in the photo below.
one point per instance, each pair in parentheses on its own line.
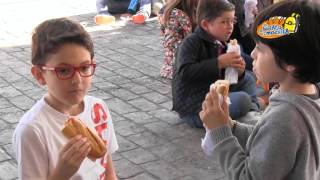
(240,104)
(193,120)
(241,98)
(249,76)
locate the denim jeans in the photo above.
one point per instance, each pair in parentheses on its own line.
(240,106)
(143,5)
(193,120)
(122,6)
(242,97)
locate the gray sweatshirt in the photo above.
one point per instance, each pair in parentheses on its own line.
(283,145)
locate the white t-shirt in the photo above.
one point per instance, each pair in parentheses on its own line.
(38,140)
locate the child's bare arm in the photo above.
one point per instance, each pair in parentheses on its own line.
(70,158)
(110,172)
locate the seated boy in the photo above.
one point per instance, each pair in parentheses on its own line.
(201,60)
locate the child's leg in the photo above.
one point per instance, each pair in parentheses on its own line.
(145,7)
(105,7)
(247,85)
(193,120)
(143,13)
(118,6)
(133,6)
(102,7)
(240,104)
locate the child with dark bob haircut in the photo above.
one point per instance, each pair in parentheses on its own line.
(201,59)
(63,60)
(285,143)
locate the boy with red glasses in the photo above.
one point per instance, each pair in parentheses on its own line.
(63,60)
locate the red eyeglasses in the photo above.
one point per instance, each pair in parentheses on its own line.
(68,71)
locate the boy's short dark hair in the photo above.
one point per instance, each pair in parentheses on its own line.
(211,9)
(300,49)
(51,34)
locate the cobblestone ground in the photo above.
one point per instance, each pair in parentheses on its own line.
(154,144)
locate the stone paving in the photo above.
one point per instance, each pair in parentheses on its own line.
(154,143)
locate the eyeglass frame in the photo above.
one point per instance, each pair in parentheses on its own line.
(75,68)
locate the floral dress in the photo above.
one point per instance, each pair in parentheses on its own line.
(177,28)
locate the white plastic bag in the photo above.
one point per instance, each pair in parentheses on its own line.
(232,74)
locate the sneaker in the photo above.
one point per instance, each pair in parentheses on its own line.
(104,19)
(138,19)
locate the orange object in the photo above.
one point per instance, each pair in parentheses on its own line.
(266,88)
(138,19)
(104,19)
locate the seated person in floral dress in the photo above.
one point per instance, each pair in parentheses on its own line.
(177,21)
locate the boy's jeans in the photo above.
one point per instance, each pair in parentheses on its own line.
(243,99)
(145,6)
(122,6)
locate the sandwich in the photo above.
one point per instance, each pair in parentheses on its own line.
(74,127)
(233,42)
(222,87)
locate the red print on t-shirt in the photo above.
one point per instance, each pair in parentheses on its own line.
(99,117)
